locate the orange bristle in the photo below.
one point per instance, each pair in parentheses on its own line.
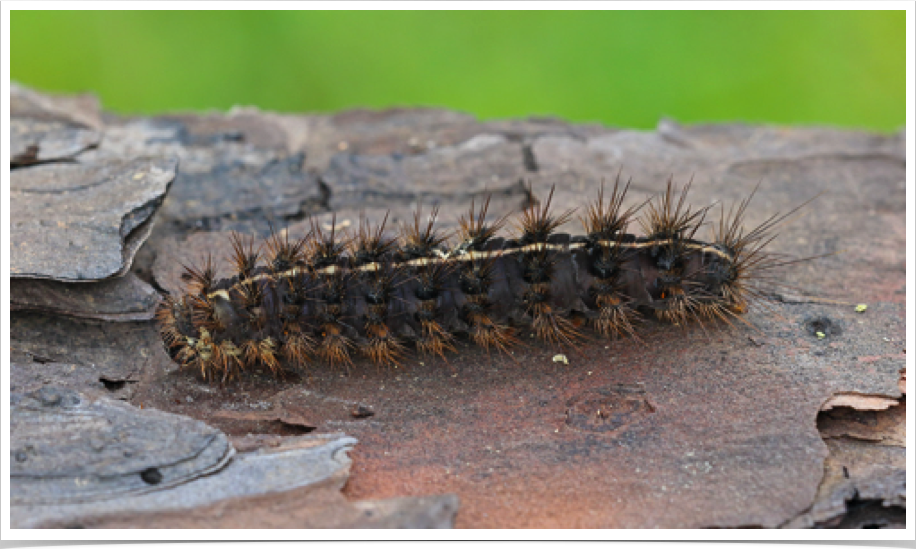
(488,334)
(250,353)
(334,347)
(382,347)
(232,360)
(202,314)
(483,331)
(267,354)
(548,325)
(298,348)
(218,364)
(721,311)
(434,339)
(615,318)
(263,352)
(554,328)
(166,314)
(386,352)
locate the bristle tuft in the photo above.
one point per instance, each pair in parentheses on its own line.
(370,245)
(201,279)
(285,255)
(434,339)
(490,335)
(245,256)
(474,231)
(555,329)
(615,318)
(325,248)
(537,224)
(334,348)
(382,348)
(298,349)
(607,220)
(418,241)
(669,216)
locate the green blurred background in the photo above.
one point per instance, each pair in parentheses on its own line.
(624,68)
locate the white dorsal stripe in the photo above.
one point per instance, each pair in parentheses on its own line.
(457,255)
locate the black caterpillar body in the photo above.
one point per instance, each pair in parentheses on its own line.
(326,299)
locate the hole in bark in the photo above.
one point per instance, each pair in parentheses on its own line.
(151,476)
(292,429)
(113,385)
(822,326)
(361,412)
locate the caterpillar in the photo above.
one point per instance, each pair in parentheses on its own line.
(330,298)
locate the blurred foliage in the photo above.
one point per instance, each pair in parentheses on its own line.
(622,68)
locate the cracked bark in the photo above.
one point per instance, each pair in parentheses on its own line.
(722,424)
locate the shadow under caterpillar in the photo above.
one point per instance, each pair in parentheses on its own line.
(328,297)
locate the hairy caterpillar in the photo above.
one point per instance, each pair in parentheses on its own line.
(328,298)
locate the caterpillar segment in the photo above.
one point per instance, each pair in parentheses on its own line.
(333,296)
(426,282)
(378,288)
(605,255)
(482,283)
(333,332)
(536,233)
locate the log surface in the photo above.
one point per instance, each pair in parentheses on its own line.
(691,427)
